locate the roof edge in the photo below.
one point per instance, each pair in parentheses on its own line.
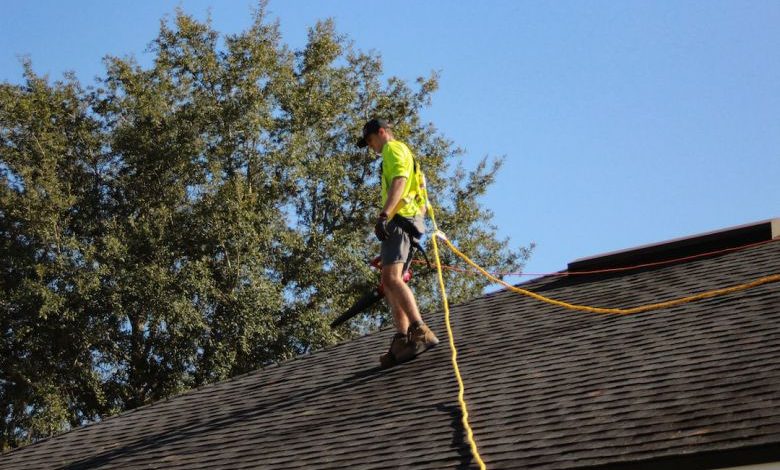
(734,457)
(731,237)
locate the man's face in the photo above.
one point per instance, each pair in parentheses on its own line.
(374,142)
(377,140)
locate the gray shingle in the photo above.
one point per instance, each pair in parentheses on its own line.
(547,388)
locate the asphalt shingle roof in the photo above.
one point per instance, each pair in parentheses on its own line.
(547,388)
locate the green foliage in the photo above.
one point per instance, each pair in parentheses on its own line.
(180,224)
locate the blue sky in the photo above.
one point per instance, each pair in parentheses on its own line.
(622,122)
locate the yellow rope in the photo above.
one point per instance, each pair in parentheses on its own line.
(461,400)
(620,311)
(585,308)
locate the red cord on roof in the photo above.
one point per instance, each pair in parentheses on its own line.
(610,270)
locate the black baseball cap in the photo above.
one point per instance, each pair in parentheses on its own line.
(372,127)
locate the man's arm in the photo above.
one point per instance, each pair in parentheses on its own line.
(394,194)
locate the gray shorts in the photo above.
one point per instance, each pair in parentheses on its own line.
(398,245)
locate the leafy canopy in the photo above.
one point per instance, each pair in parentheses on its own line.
(178,224)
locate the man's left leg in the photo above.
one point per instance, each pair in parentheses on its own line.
(420,337)
(401,297)
(412,336)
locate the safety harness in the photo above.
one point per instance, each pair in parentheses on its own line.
(416,194)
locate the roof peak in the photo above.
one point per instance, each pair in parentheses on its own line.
(731,237)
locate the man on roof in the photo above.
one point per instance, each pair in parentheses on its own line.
(398,224)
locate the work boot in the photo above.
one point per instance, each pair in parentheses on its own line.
(421,337)
(401,350)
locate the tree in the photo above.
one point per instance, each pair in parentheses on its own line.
(179,224)
(50,321)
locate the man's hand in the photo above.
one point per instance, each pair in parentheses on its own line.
(380,229)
